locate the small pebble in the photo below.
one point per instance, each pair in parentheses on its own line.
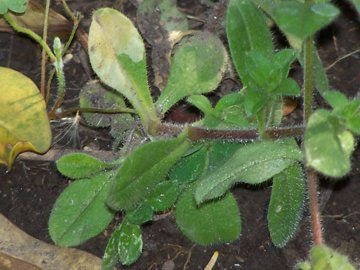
(168,265)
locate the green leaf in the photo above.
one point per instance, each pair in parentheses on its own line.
(201,102)
(325,258)
(288,87)
(220,153)
(262,70)
(286,204)
(80,212)
(163,196)
(229,112)
(197,67)
(356,3)
(143,213)
(117,55)
(78,165)
(351,115)
(302,20)
(283,59)
(328,148)
(125,245)
(336,99)
(252,163)
(213,223)
(18,6)
(246,31)
(143,169)
(162,24)
(255,100)
(190,167)
(24,124)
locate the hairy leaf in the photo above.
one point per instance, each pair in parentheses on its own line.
(18,6)
(143,213)
(143,169)
(164,196)
(336,99)
(190,167)
(325,258)
(24,124)
(286,204)
(159,21)
(229,112)
(197,67)
(327,147)
(201,102)
(125,245)
(302,20)
(246,31)
(79,165)
(80,211)
(117,55)
(253,163)
(212,223)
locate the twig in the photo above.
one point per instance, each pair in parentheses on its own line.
(342,58)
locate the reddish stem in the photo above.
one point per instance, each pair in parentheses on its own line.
(314,206)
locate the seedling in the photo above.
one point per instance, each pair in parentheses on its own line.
(192,168)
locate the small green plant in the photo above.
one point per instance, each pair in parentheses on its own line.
(192,168)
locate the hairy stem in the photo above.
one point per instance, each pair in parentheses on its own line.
(199,133)
(57,115)
(31,34)
(43,53)
(314,206)
(311,175)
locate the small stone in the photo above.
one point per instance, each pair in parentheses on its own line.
(168,265)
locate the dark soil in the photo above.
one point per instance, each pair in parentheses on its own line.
(28,192)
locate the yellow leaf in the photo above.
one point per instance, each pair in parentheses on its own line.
(24,125)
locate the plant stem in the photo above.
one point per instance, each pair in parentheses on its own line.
(31,34)
(310,174)
(199,133)
(308,78)
(43,53)
(57,115)
(314,206)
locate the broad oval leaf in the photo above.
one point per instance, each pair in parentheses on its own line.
(327,148)
(18,6)
(212,223)
(24,125)
(125,245)
(79,165)
(246,31)
(302,20)
(253,164)
(336,99)
(189,168)
(143,169)
(143,213)
(80,212)
(117,55)
(164,196)
(286,204)
(197,67)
